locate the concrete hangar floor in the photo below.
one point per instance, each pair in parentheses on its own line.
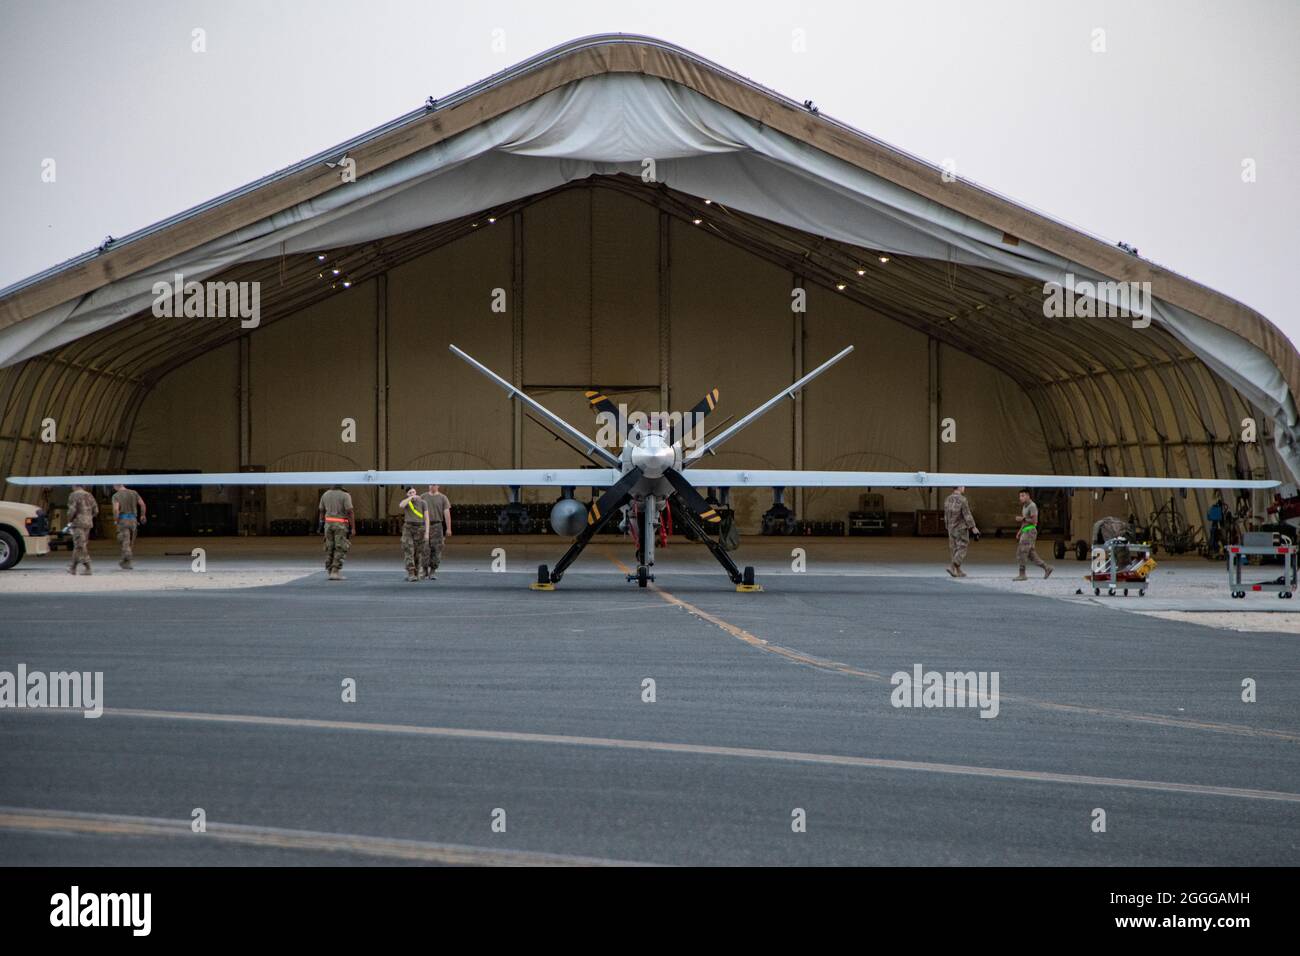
(495,724)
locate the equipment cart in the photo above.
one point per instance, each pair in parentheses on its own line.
(1268,544)
(1120,563)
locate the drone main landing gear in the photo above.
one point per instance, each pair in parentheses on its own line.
(743,580)
(543,582)
(546,578)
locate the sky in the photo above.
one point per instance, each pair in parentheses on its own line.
(1168,125)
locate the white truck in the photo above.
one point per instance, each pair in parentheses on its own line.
(24,529)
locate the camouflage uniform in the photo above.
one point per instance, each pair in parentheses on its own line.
(336,504)
(957,518)
(128,523)
(82,509)
(413,535)
(1026,538)
(436,504)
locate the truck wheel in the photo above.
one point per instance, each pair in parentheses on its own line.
(11,551)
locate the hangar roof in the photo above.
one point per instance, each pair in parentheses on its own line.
(966,265)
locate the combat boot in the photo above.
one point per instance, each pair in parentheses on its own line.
(333,575)
(88,571)
(960,572)
(1047,572)
(410,576)
(952,571)
(1020,576)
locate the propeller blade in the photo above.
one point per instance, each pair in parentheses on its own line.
(601,405)
(692,498)
(614,497)
(697,414)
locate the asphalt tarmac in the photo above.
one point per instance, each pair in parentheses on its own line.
(493,724)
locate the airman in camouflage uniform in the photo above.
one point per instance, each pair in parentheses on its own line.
(415,532)
(82,509)
(129,512)
(960,524)
(339,523)
(439,510)
(1027,535)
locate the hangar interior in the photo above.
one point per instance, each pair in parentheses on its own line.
(587,275)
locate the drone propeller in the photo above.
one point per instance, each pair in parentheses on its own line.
(692,498)
(702,408)
(615,496)
(601,405)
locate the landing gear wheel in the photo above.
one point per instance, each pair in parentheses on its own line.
(1111,592)
(1096,592)
(1081,550)
(1126,592)
(747,578)
(1058,550)
(642,576)
(543,582)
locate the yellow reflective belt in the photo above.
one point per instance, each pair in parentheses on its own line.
(411,504)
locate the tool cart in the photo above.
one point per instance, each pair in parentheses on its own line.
(1121,564)
(1265,545)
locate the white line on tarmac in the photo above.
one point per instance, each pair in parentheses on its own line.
(656,746)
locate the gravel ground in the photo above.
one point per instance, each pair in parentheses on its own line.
(112,579)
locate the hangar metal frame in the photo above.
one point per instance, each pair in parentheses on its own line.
(1139,403)
(1099,390)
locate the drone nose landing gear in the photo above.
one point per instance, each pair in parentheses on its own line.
(642,577)
(645,552)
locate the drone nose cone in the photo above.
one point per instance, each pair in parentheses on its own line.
(653,459)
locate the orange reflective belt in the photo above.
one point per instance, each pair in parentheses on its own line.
(337,520)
